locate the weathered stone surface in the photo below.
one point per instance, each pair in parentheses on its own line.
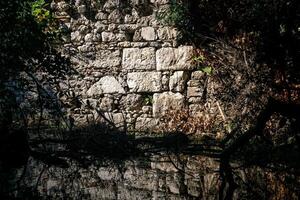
(132,101)
(147,110)
(167,33)
(144,179)
(178,81)
(115,16)
(107,104)
(108,174)
(99,27)
(144,81)
(173,183)
(135,58)
(106,85)
(111,4)
(101,16)
(108,36)
(195,100)
(194,92)
(116,118)
(160,1)
(107,59)
(81,9)
(137,36)
(88,37)
(175,58)
(164,165)
(166,101)
(195,83)
(76,36)
(146,124)
(128,193)
(148,33)
(198,75)
(165,82)
(195,109)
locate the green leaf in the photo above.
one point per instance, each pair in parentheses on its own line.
(207,69)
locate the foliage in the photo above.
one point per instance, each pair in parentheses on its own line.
(201,61)
(148,100)
(175,14)
(40,12)
(30,72)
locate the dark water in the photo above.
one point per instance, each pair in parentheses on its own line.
(149,168)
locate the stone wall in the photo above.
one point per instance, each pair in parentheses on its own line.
(129,63)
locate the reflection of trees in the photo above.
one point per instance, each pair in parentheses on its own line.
(248,167)
(30,72)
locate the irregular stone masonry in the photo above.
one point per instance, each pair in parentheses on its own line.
(130,63)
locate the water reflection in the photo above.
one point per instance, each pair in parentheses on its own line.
(118,166)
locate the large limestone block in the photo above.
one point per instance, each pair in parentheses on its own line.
(106,85)
(178,81)
(144,81)
(175,58)
(107,59)
(135,58)
(167,101)
(147,124)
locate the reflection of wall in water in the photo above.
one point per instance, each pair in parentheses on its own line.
(165,178)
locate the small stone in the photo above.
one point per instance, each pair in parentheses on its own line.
(178,81)
(167,33)
(76,36)
(147,110)
(195,109)
(120,37)
(148,33)
(111,4)
(99,27)
(195,100)
(195,83)
(194,92)
(137,36)
(115,16)
(107,104)
(108,36)
(198,75)
(82,9)
(165,82)
(101,16)
(88,37)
